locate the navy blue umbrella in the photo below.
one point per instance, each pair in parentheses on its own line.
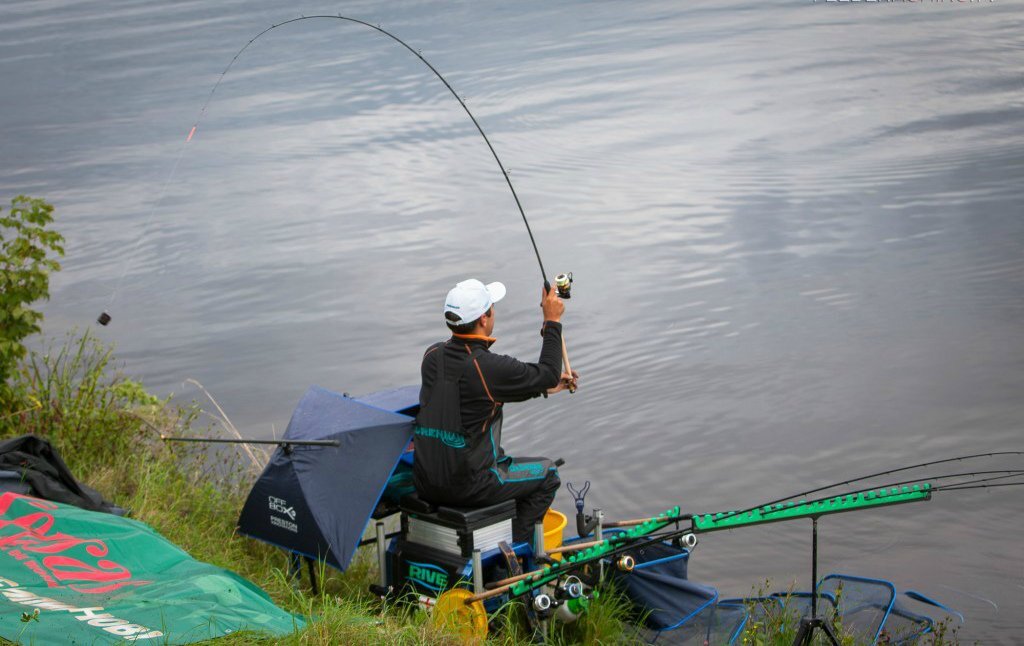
(317,500)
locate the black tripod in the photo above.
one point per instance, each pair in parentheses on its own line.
(805,634)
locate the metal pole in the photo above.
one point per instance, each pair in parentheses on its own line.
(382,563)
(312,576)
(478,573)
(538,541)
(814,566)
(216,440)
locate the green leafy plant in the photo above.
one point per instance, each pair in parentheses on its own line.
(27,250)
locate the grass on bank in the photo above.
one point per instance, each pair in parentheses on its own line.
(107,428)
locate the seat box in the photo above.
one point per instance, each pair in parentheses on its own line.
(459,531)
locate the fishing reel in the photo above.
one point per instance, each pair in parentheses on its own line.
(569,588)
(565,603)
(686,541)
(563,283)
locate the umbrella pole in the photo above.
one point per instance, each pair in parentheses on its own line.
(382,563)
(312,576)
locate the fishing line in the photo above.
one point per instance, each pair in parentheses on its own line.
(883,473)
(979,486)
(953,486)
(975,482)
(104,318)
(968,594)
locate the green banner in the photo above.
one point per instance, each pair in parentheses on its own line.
(70,576)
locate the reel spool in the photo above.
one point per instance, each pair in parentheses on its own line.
(626,563)
(571,588)
(452,614)
(563,283)
(542,603)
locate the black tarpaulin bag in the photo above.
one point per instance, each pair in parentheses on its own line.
(41,468)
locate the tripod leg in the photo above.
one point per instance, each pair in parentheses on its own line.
(829,632)
(805,633)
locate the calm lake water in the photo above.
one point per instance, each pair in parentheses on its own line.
(796,230)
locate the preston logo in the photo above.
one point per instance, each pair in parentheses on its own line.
(453,440)
(532,468)
(428,576)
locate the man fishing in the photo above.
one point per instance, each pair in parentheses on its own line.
(459,458)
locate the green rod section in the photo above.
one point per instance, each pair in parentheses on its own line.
(793,510)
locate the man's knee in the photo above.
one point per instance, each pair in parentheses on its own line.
(552,482)
(548,488)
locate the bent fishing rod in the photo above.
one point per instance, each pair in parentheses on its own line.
(562,281)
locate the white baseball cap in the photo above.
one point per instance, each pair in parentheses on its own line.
(470,299)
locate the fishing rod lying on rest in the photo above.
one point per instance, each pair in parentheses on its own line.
(564,588)
(646,531)
(285,444)
(672,524)
(616,548)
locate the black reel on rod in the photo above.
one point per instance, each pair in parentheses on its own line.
(563,283)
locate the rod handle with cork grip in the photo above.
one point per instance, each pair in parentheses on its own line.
(563,283)
(568,367)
